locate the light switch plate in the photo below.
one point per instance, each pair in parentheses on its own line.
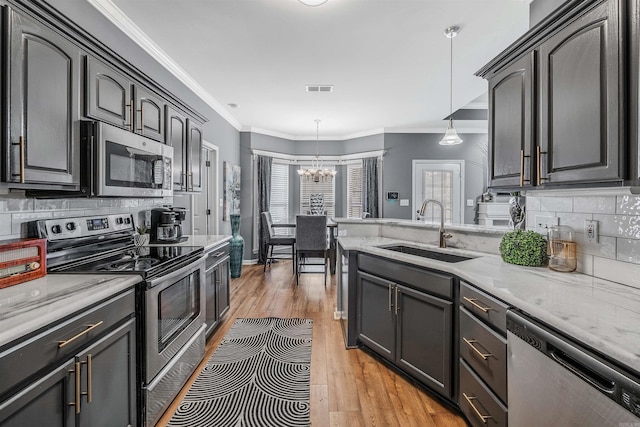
(470,202)
(404,202)
(543,223)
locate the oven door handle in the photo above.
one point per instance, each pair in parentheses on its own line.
(192,266)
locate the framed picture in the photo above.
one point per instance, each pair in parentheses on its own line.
(231,183)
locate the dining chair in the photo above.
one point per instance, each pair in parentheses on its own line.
(311,242)
(271,240)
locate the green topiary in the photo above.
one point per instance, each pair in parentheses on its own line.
(524,248)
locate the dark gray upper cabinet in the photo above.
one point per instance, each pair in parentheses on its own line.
(114,98)
(176,136)
(149,114)
(108,94)
(634,92)
(511,125)
(195,163)
(44,108)
(581,96)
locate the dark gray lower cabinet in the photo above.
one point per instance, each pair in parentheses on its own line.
(410,328)
(217,278)
(94,387)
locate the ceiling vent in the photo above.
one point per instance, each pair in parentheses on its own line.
(319,88)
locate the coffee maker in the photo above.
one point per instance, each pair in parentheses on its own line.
(166,224)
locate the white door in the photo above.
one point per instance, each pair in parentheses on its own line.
(441,180)
(203,204)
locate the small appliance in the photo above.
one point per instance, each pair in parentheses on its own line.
(166,224)
(22,260)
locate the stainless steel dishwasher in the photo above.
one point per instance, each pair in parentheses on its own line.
(554,382)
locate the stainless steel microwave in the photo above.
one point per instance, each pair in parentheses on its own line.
(126,164)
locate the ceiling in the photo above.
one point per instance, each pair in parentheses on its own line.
(387,59)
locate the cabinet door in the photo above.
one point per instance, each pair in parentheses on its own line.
(511,112)
(223,277)
(376,320)
(109,380)
(44,106)
(149,115)
(108,95)
(195,163)
(45,402)
(176,136)
(580,98)
(424,338)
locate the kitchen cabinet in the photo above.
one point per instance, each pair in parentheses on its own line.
(404,322)
(217,279)
(581,100)
(80,372)
(185,136)
(483,357)
(44,108)
(556,101)
(115,98)
(511,125)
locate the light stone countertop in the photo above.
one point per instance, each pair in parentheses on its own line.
(467,228)
(29,306)
(603,315)
(207,241)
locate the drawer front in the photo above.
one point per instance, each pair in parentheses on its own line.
(485,351)
(23,360)
(484,306)
(477,403)
(216,255)
(419,279)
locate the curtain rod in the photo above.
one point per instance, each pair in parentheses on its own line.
(337,159)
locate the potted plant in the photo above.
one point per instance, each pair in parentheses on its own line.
(524,248)
(142,237)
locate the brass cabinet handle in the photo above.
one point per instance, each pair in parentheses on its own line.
(89,392)
(141,128)
(185,181)
(539,154)
(397,307)
(522,180)
(471,343)
(129,107)
(390,304)
(76,371)
(75,337)
(470,400)
(20,145)
(190,175)
(473,302)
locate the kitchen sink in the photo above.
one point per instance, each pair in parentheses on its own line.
(426,253)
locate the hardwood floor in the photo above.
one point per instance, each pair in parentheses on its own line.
(348,387)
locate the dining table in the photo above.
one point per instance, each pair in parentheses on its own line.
(332,228)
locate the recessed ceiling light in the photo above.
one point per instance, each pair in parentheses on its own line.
(319,88)
(232,105)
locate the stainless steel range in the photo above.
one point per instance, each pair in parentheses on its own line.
(171,298)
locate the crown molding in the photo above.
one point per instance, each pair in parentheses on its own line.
(122,22)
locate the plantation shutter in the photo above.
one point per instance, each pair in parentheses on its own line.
(354,190)
(327,188)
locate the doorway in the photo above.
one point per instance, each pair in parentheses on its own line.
(442,180)
(204,205)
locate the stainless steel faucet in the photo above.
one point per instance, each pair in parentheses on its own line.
(443,234)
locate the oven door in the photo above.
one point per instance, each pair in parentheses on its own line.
(131,165)
(174,307)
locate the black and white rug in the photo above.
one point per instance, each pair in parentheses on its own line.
(258,376)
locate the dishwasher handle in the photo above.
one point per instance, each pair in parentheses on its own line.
(598,381)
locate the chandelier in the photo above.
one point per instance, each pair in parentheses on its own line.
(316,172)
(451,136)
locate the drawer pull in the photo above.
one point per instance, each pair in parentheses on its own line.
(86,331)
(471,343)
(390,305)
(218,254)
(397,307)
(470,400)
(473,302)
(76,372)
(89,393)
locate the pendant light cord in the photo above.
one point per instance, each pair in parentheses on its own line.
(451,80)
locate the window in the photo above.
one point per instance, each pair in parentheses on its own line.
(442,180)
(438,185)
(279,199)
(354,190)
(327,189)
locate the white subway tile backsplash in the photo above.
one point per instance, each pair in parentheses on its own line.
(621,272)
(533,203)
(574,220)
(613,225)
(51,204)
(83,204)
(605,247)
(585,264)
(556,204)
(12,204)
(18,219)
(629,205)
(628,250)
(5,225)
(603,204)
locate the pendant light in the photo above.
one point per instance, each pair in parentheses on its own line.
(451,136)
(316,172)
(312,3)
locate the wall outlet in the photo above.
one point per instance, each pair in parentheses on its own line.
(470,202)
(404,202)
(544,223)
(591,233)
(342,233)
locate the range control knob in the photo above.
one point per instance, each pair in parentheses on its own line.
(71,226)
(55,229)
(119,221)
(127,220)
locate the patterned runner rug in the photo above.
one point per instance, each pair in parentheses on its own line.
(258,376)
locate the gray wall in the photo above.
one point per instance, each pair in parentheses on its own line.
(539,9)
(403,148)
(216,131)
